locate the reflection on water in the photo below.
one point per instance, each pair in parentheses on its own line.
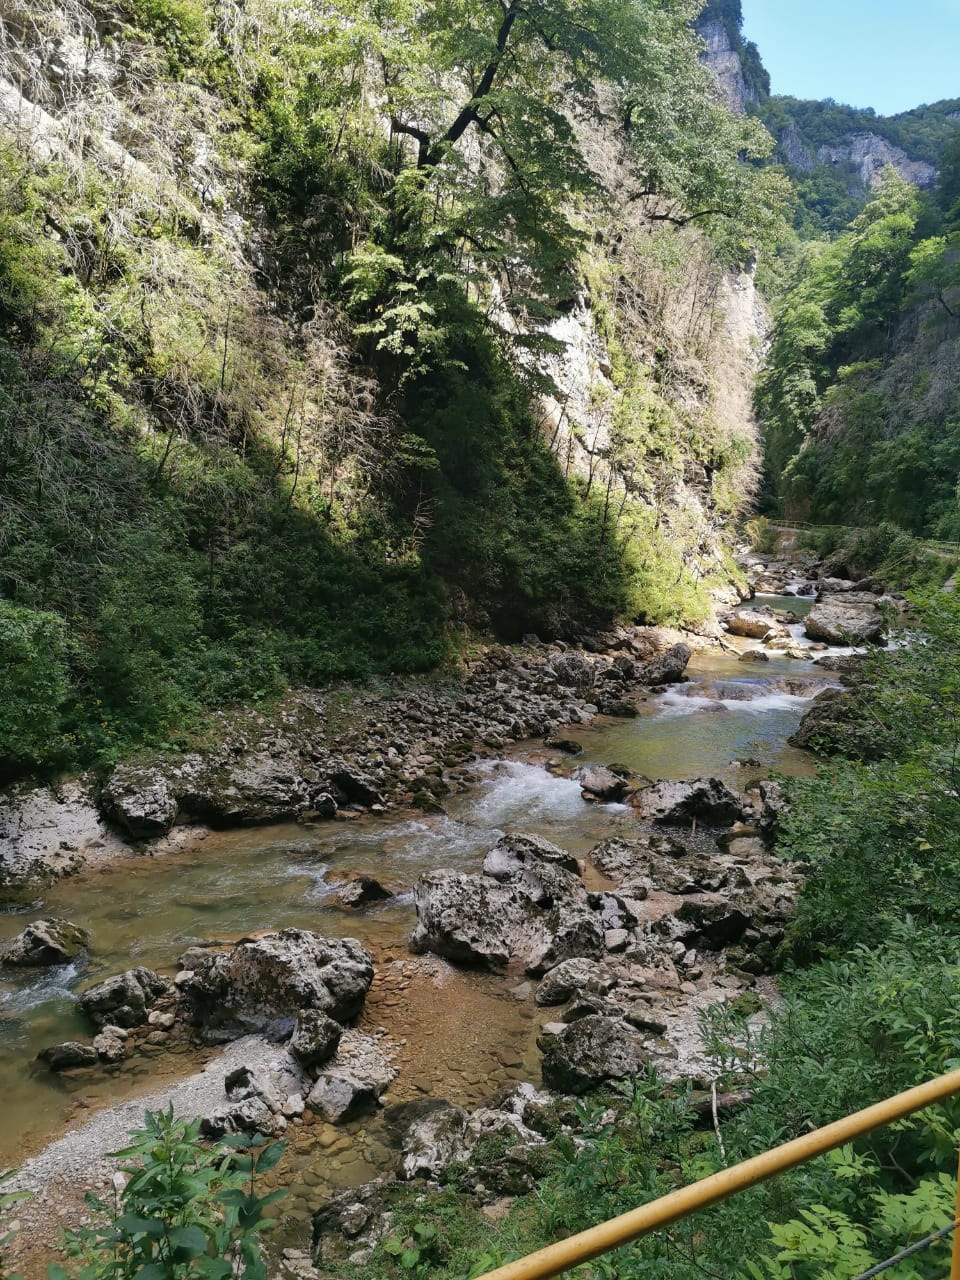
(149,910)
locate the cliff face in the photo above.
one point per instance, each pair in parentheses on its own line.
(724,60)
(870,154)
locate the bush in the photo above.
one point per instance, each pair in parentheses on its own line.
(185,1211)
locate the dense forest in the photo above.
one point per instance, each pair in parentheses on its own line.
(859,399)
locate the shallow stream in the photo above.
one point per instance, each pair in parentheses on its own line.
(458,1035)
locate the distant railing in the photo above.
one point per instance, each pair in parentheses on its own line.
(615,1233)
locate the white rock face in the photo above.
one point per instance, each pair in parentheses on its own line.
(871,154)
(724,61)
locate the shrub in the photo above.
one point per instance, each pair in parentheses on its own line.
(34,686)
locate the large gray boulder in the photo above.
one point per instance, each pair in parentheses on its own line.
(45,942)
(68,1056)
(834,623)
(354,1081)
(666,668)
(140,800)
(573,670)
(123,1000)
(262,986)
(590,1051)
(521,908)
(677,803)
(752,624)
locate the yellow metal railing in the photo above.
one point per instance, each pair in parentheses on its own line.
(576,1250)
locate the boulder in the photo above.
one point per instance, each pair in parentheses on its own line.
(600,784)
(259,787)
(448,1135)
(573,670)
(678,803)
(45,942)
(572,977)
(249,1115)
(530,910)
(591,1050)
(263,985)
(515,851)
(360,891)
(618,858)
(354,1081)
(140,800)
(714,924)
(357,787)
(315,1038)
(123,1000)
(754,655)
(752,624)
(838,624)
(110,1044)
(67,1056)
(666,668)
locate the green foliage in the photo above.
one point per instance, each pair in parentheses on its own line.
(862,423)
(186,1212)
(34,686)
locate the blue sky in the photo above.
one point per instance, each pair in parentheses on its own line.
(888,54)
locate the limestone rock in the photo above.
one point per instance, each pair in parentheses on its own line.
(124,999)
(67,1056)
(590,1051)
(834,623)
(571,977)
(677,803)
(140,800)
(360,891)
(752,624)
(263,985)
(354,1081)
(315,1038)
(45,942)
(530,909)
(110,1044)
(667,668)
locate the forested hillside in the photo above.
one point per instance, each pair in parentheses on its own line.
(287,309)
(860,399)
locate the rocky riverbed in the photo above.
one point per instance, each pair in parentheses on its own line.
(594,956)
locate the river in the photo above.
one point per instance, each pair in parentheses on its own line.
(460,1035)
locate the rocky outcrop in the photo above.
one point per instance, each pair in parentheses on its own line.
(123,1000)
(724,61)
(45,942)
(846,620)
(870,154)
(590,1051)
(669,803)
(49,832)
(141,801)
(264,985)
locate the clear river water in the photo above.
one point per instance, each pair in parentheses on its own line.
(461,1035)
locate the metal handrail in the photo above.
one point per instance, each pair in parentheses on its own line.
(580,1248)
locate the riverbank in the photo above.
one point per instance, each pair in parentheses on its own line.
(481,802)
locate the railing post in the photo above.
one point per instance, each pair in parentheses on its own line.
(955,1256)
